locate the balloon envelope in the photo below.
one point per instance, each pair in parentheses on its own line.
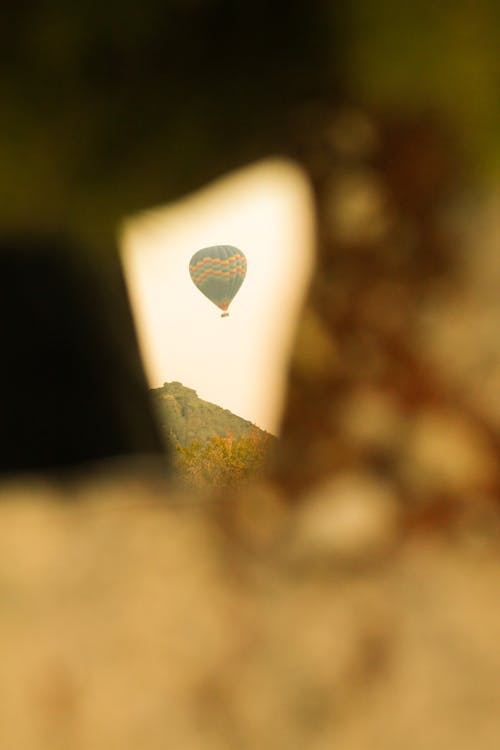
(218,272)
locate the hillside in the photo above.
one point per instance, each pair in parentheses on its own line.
(185,418)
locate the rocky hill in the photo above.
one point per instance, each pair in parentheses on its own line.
(185,418)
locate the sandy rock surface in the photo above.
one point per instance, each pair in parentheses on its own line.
(131,619)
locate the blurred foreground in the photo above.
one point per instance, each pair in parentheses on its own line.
(134,619)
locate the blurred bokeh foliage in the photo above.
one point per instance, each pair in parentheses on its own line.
(440,58)
(223,462)
(110,108)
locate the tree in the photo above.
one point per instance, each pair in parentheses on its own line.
(222,461)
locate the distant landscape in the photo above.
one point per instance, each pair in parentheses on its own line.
(213,446)
(186,418)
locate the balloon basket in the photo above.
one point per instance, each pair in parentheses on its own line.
(225,315)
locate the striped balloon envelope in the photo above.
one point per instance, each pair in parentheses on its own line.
(218,272)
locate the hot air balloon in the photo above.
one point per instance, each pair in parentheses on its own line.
(218,272)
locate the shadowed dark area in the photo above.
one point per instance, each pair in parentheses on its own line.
(119,106)
(69,393)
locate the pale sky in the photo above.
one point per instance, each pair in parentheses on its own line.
(238,362)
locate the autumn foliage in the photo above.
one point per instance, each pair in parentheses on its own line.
(223,461)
